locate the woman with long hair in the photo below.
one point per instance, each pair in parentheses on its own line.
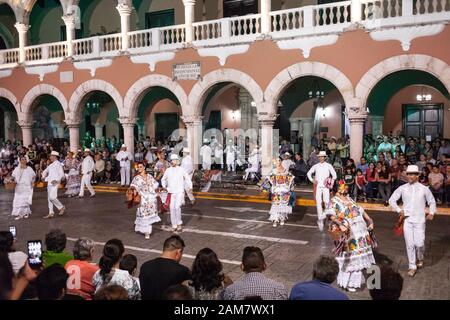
(147,212)
(110,273)
(208,280)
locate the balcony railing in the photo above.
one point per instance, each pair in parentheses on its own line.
(297,22)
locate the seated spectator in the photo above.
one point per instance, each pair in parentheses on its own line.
(55,243)
(430,158)
(83,268)
(436,181)
(110,273)
(129,263)
(422,162)
(51,284)
(99,169)
(423,177)
(7,246)
(349,179)
(158,274)
(112,292)
(254,283)
(325,271)
(177,292)
(391,285)
(360,186)
(363,166)
(208,280)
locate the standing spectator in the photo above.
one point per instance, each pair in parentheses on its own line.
(325,271)
(412,151)
(372,183)
(55,243)
(110,274)
(384,184)
(208,280)
(254,284)
(158,274)
(444,149)
(344,149)
(99,170)
(385,146)
(83,268)
(360,185)
(436,181)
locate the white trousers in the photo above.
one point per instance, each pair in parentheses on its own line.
(176,202)
(322,195)
(86,181)
(189,192)
(415,241)
(250,170)
(52,197)
(125,176)
(206,166)
(231,166)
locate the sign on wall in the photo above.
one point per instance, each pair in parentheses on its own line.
(186,71)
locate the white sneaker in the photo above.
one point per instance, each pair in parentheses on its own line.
(147,236)
(282,223)
(18,218)
(274,224)
(320,225)
(351,289)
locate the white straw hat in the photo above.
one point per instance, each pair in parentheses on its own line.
(412,169)
(54,153)
(322,154)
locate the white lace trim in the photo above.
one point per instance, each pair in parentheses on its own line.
(356,263)
(278,213)
(21,211)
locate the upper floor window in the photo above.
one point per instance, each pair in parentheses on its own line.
(159,19)
(233,8)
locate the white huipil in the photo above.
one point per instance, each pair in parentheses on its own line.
(206,153)
(414,196)
(124,158)
(87,167)
(230,152)
(322,171)
(175,180)
(54,172)
(23,194)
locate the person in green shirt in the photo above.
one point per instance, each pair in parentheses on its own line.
(55,243)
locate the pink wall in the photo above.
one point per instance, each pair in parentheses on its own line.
(393,113)
(162,106)
(225,101)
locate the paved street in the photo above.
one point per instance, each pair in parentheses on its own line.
(227,227)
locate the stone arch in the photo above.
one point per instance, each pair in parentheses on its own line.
(5,93)
(198,92)
(138,89)
(283,79)
(429,64)
(75,104)
(39,90)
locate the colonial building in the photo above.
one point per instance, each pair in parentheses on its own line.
(150,67)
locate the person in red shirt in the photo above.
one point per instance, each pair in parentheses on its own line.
(81,269)
(360,185)
(371,181)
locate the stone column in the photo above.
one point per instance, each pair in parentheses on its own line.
(194,126)
(69,21)
(377,125)
(266,23)
(125,13)
(268,147)
(128,133)
(189,17)
(22,29)
(27,131)
(74,134)
(355,11)
(99,130)
(60,129)
(357,134)
(307,128)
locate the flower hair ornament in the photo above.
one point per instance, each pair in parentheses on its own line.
(341,186)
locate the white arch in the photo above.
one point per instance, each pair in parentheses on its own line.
(434,66)
(39,90)
(198,92)
(134,94)
(75,103)
(5,93)
(283,79)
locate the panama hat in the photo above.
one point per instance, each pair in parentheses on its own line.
(174,157)
(186,150)
(54,153)
(412,169)
(87,150)
(123,146)
(322,154)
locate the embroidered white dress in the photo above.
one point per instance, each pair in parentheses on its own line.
(281,185)
(357,252)
(23,194)
(147,212)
